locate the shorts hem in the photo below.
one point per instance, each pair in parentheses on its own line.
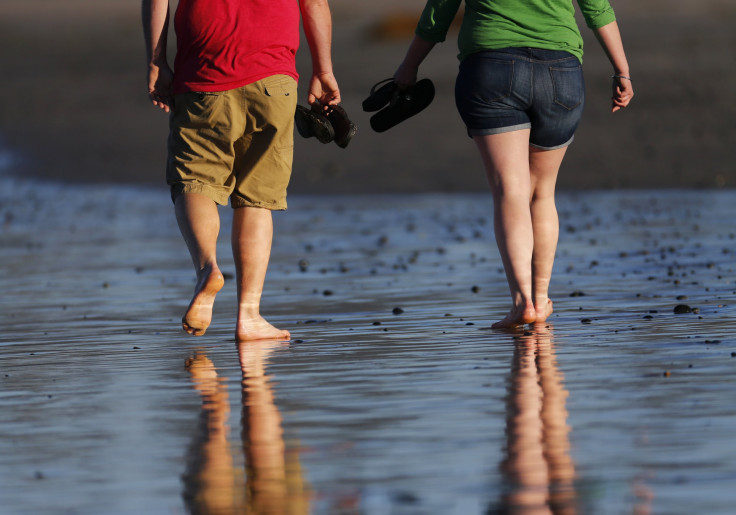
(236,203)
(556,147)
(202,189)
(498,130)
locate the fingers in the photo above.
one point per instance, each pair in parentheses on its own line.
(324,89)
(160,79)
(623,92)
(160,101)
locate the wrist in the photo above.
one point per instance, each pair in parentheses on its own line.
(321,71)
(157,64)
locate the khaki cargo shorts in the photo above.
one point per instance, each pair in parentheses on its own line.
(236,144)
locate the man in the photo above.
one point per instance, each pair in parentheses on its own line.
(232,98)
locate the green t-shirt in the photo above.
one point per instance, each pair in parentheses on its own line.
(494,24)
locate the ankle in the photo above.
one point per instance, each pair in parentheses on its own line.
(249,311)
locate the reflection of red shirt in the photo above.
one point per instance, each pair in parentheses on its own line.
(226,44)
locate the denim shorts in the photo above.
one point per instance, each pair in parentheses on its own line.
(522,88)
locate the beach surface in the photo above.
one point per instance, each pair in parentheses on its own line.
(394,395)
(76,74)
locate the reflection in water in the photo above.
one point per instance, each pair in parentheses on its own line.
(272,480)
(538,469)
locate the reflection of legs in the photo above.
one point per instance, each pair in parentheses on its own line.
(209,483)
(506,160)
(543,167)
(251,242)
(199,223)
(556,431)
(274,478)
(525,467)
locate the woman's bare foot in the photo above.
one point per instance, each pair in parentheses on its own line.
(199,313)
(544,311)
(257,328)
(519,315)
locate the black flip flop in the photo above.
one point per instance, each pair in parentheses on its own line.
(380,96)
(343,127)
(404,104)
(313,122)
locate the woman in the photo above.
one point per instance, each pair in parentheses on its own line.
(520,92)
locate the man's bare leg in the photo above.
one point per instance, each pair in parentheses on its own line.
(251,241)
(199,223)
(543,166)
(506,160)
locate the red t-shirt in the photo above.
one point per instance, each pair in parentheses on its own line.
(226,44)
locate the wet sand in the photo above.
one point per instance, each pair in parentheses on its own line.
(618,405)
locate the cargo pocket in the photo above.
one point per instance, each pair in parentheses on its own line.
(280,86)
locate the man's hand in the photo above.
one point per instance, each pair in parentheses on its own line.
(159,86)
(323,89)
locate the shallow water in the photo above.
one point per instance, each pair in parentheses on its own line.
(618,406)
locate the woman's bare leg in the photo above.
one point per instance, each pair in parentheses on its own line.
(199,223)
(251,242)
(506,160)
(543,167)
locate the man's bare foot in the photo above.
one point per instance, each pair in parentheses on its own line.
(199,313)
(203,372)
(257,328)
(519,315)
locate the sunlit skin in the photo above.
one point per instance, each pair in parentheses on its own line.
(197,215)
(522,181)
(526,225)
(538,466)
(252,234)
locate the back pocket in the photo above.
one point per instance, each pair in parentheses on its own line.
(569,88)
(486,80)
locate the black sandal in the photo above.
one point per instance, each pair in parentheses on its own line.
(343,127)
(403,104)
(313,122)
(381,94)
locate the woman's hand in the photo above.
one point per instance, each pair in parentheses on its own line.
(623,92)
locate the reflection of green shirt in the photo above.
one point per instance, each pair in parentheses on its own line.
(493,24)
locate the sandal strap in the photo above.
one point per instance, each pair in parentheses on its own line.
(381,83)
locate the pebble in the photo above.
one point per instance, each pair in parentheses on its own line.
(682,309)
